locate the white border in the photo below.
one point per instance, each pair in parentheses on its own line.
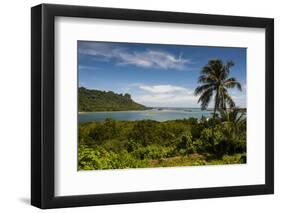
(70,182)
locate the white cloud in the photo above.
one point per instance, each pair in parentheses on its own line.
(163,88)
(147,59)
(244,87)
(153,59)
(240,100)
(239,97)
(166,95)
(168,100)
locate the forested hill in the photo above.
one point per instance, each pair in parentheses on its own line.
(96,100)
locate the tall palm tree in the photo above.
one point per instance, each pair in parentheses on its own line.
(215,81)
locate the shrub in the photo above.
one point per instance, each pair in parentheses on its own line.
(131,144)
(153,152)
(89,159)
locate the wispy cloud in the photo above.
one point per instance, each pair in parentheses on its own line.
(244,87)
(173,95)
(149,58)
(89,68)
(163,88)
(240,100)
(166,95)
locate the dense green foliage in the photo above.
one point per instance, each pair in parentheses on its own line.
(115,144)
(96,100)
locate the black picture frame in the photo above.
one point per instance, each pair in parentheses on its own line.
(43,111)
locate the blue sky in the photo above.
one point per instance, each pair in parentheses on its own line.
(154,74)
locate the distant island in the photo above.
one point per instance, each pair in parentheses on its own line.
(91,100)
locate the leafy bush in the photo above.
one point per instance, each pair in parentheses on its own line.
(237,158)
(89,159)
(153,152)
(114,144)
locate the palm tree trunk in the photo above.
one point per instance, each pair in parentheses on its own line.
(214,115)
(215,111)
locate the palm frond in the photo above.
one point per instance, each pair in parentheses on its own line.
(232,83)
(205,98)
(229,100)
(199,90)
(228,65)
(207,79)
(214,79)
(207,70)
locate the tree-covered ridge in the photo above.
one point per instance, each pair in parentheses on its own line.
(91,100)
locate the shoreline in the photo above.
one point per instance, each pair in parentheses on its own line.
(114,111)
(151,108)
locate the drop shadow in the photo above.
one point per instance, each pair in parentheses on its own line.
(25,200)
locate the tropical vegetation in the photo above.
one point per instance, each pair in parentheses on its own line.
(113,144)
(91,100)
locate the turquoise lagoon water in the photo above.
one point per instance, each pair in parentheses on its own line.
(159,114)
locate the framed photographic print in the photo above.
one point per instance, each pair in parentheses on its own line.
(139,106)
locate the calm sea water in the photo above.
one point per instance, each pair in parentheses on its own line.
(162,114)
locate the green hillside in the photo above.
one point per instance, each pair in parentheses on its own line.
(96,100)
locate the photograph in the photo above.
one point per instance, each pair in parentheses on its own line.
(160,105)
(139,105)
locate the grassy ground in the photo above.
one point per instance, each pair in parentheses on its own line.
(196,160)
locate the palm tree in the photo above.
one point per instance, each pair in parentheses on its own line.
(215,81)
(234,128)
(233,120)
